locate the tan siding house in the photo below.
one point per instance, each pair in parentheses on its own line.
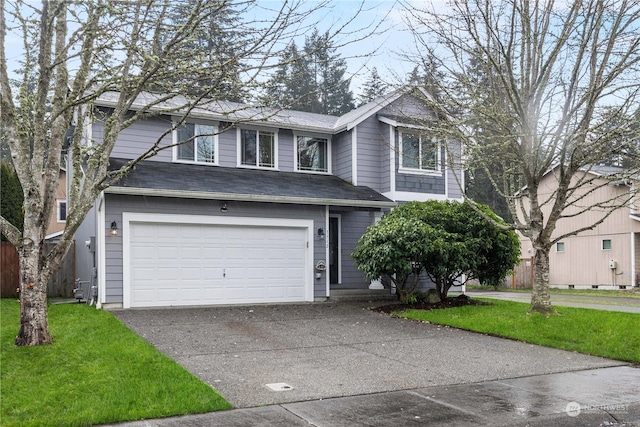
(58,217)
(606,257)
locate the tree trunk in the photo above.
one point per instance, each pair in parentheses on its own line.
(540,295)
(34,323)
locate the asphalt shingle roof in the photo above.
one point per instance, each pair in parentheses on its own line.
(203,181)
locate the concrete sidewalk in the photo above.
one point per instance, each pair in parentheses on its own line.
(627,305)
(600,397)
(335,364)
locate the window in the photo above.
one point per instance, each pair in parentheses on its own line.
(419,152)
(560,247)
(257,148)
(606,244)
(62,210)
(312,154)
(199,145)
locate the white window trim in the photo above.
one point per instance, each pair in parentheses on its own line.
(239,148)
(418,171)
(295,152)
(58,202)
(602,245)
(563,247)
(216,151)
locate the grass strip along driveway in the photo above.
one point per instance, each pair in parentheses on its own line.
(97,371)
(608,334)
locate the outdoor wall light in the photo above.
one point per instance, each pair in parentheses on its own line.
(114,228)
(321,233)
(223,209)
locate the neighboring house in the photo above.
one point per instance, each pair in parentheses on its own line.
(59,215)
(267,209)
(606,257)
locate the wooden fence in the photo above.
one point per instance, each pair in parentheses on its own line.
(61,283)
(522,277)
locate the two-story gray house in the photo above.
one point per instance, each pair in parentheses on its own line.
(259,206)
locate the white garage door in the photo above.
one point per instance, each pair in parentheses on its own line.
(185,264)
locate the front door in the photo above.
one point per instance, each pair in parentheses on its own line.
(334,250)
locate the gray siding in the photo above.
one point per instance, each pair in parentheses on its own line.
(116,204)
(408,109)
(227,148)
(354,225)
(285,150)
(138,138)
(453,189)
(385,158)
(84,258)
(370,153)
(341,155)
(416,183)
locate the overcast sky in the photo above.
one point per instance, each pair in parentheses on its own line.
(381,20)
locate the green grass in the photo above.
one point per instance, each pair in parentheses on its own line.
(608,334)
(97,371)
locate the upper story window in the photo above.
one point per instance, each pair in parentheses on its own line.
(419,152)
(62,211)
(312,154)
(257,148)
(197,143)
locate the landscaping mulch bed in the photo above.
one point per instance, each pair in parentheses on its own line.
(458,301)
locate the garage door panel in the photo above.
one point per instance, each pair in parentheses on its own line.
(190,273)
(192,295)
(213,293)
(141,274)
(142,251)
(190,252)
(168,273)
(185,264)
(166,252)
(168,294)
(255,274)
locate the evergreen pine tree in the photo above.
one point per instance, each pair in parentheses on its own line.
(373,88)
(11,197)
(312,80)
(427,75)
(216,42)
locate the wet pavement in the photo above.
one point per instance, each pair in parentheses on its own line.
(340,364)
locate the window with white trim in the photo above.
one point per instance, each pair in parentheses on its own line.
(560,247)
(419,151)
(312,154)
(62,210)
(257,148)
(606,244)
(197,143)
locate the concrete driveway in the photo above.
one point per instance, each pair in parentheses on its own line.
(326,350)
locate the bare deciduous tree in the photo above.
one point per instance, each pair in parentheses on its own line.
(554,76)
(74,52)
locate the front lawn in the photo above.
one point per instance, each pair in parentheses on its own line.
(97,371)
(608,334)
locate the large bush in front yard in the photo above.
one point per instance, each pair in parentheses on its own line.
(448,241)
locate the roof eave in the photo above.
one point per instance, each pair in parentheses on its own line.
(213,116)
(136,191)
